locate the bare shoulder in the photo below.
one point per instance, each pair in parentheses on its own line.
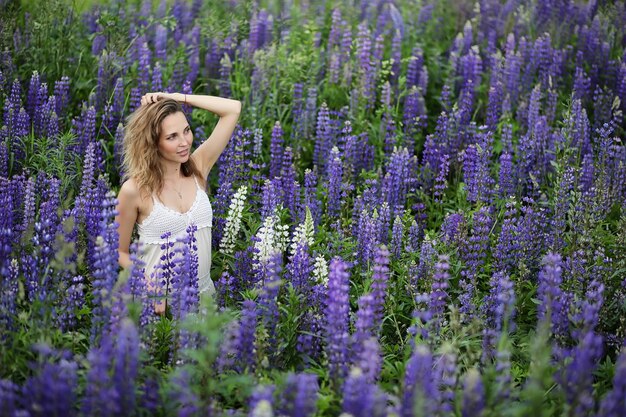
(130,191)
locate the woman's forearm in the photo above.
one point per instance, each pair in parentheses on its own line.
(218,105)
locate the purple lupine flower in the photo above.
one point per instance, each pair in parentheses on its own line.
(362,398)
(246,353)
(561,208)
(445,369)
(384,222)
(337,309)
(126,358)
(300,268)
(507,249)
(228,348)
(473,394)
(399,179)
(414,115)
(34,98)
(157,78)
(367,236)
(396,56)
(506,180)
(499,310)
(160,43)
(370,359)
(365,325)
(289,183)
(271,198)
(299,396)
(29,206)
(452,228)
(276,151)
(614,402)
(61,95)
(225,70)
(104,265)
(397,236)
(73,302)
(52,392)
(9,397)
(334,184)
(101,396)
(85,130)
(474,254)
(441,181)
(438,295)
(9,288)
(268,298)
(496,94)
(476,163)
(323,138)
(21,128)
(379,282)
(182,396)
(4,152)
(50,127)
(135,99)
(550,295)
(145,63)
(577,379)
(420,385)
(532,233)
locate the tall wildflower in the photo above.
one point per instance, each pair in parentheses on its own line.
(276,150)
(272,239)
(499,310)
(299,397)
(473,394)
(105,266)
(323,138)
(233,221)
(362,398)
(52,391)
(268,297)
(397,237)
(334,184)
(99,388)
(337,309)
(551,295)
(474,254)
(438,295)
(420,388)
(398,180)
(380,278)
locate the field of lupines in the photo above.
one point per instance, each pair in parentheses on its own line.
(422,212)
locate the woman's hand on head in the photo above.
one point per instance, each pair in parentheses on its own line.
(150,98)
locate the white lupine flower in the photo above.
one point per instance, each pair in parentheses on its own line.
(273,238)
(320,270)
(303,233)
(233,220)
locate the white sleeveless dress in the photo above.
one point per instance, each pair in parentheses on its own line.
(163,219)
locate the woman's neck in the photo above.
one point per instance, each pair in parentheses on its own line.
(172,172)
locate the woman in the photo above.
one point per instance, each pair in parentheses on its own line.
(165,181)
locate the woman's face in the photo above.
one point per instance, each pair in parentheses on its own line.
(176,138)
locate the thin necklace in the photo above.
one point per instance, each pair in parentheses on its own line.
(180,196)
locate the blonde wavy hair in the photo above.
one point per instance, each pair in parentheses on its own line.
(141,140)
